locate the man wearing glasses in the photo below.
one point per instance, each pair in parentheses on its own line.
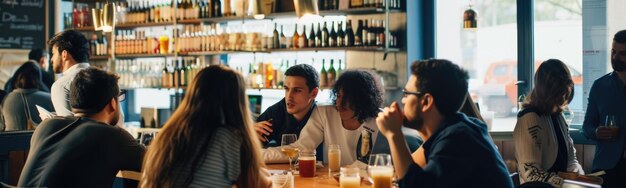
(84,150)
(457,150)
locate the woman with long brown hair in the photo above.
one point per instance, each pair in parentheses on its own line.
(209,140)
(543,146)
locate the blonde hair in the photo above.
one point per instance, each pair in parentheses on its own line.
(215,98)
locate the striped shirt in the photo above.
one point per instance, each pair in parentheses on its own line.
(220,166)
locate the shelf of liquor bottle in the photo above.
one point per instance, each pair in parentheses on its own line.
(374,49)
(371,49)
(90,28)
(149,24)
(352,11)
(99,57)
(130,56)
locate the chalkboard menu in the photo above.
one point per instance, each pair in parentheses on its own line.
(22,24)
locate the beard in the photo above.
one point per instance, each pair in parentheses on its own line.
(416,123)
(115,118)
(618,65)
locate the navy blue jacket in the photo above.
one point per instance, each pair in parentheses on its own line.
(459,154)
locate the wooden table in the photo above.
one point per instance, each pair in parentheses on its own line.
(321,179)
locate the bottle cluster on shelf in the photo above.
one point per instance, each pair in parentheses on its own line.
(98,46)
(180,72)
(139,74)
(208,38)
(145,11)
(393,4)
(157,73)
(142,42)
(270,75)
(79,17)
(365,35)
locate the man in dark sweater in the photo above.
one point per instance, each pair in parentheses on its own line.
(457,150)
(84,150)
(290,114)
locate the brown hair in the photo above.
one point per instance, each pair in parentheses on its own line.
(27,76)
(470,109)
(553,88)
(215,98)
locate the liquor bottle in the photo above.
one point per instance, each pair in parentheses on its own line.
(366,34)
(217,8)
(339,70)
(75,15)
(356,3)
(311,39)
(325,36)
(165,77)
(332,41)
(340,35)
(302,42)
(380,34)
(93,45)
(358,36)
(332,74)
(276,39)
(295,38)
(349,38)
(374,30)
(318,36)
(283,38)
(324,75)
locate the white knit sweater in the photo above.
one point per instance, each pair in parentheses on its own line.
(536,148)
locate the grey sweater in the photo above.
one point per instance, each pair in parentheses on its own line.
(13,113)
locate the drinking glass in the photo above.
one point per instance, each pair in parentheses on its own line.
(287,149)
(380,170)
(349,177)
(612,124)
(334,158)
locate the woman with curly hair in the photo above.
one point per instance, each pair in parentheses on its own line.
(349,122)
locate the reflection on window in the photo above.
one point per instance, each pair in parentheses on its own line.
(488,53)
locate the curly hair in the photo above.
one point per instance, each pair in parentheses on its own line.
(362,90)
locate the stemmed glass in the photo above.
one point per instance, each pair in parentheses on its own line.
(288,149)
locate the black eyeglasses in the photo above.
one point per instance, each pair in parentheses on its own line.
(122,96)
(405,93)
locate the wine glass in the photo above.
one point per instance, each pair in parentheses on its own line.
(380,170)
(288,149)
(612,124)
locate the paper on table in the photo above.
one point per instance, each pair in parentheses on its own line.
(43,113)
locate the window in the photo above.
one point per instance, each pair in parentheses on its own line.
(488,53)
(559,35)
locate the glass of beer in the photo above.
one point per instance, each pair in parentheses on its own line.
(287,149)
(306,163)
(349,177)
(282,181)
(334,158)
(380,170)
